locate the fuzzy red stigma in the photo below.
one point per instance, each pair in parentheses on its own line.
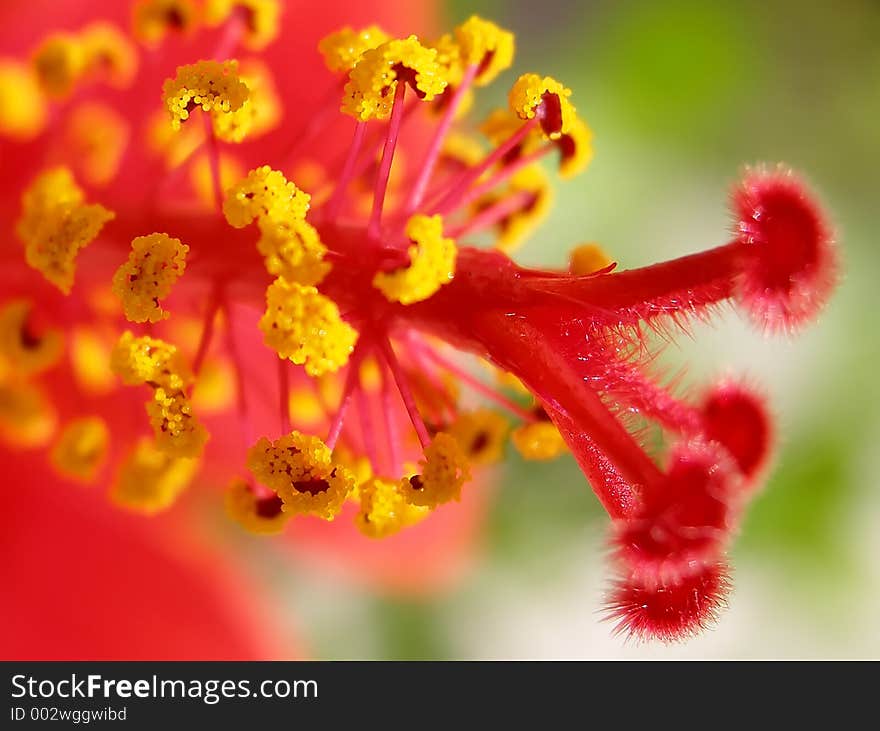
(683,520)
(793,271)
(670,613)
(738,419)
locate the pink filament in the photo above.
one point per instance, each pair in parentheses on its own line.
(421,184)
(405,393)
(381,187)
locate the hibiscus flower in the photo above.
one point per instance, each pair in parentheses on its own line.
(277,262)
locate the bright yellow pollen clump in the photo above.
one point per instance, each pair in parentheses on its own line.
(300,468)
(344,48)
(260,19)
(22,106)
(27,419)
(538,441)
(26,351)
(56,223)
(178,432)
(372,83)
(59,62)
(261,111)
(150,481)
(519,225)
(305,326)
(261,516)
(481,435)
(152,20)
(462,150)
(444,471)
(485,44)
(154,265)
(293,250)
(383,509)
(533,95)
(264,193)
(139,360)
(108,54)
(160,366)
(81,449)
(212,85)
(588,259)
(576,149)
(432,263)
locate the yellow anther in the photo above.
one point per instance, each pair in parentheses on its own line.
(300,468)
(56,223)
(59,62)
(344,48)
(262,516)
(213,86)
(545,98)
(26,350)
(96,136)
(108,54)
(432,263)
(444,470)
(372,83)
(150,481)
(90,358)
(260,18)
(383,510)
(139,360)
(481,434)
(22,106)
(260,113)
(152,20)
(518,226)
(202,177)
(178,432)
(449,57)
(538,441)
(81,449)
(264,193)
(305,326)
(575,149)
(27,419)
(154,265)
(293,250)
(485,44)
(588,258)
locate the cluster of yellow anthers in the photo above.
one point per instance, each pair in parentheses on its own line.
(370,90)
(301,469)
(56,223)
(213,86)
(154,264)
(432,263)
(99,52)
(146,360)
(154,19)
(300,323)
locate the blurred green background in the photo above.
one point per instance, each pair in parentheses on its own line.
(680,95)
